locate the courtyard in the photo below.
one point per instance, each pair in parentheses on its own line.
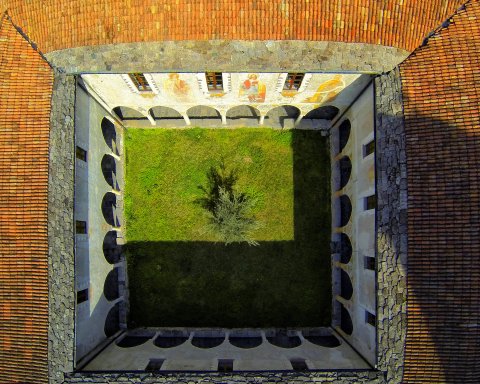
(180,274)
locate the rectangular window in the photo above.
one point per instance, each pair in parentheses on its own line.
(369,263)
(293,81)
(369,148)
(81,154)
(80,226)
(140,81)
(214,81)
(299,365)
(154,365)
(225,365)
(82,296)
(370,202)
(370,318)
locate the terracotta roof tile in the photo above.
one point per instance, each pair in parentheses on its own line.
(57,25)
(25,91)
(442,120)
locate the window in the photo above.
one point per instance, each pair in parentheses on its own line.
(81,154)
(80,226)
(140,81)
(82,296)
(370,202)
(299,365)
(225,366)
(293,81)
(214,81)
(369,148)
(370,318)
(154,365)
(369,263)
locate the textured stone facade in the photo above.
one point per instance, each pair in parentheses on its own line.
(61,263)
(357,377)
(229,56)
(391,219)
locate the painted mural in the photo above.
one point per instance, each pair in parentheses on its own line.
(327,91)
(177,88)
(252,89)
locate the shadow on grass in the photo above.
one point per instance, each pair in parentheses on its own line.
(276,284)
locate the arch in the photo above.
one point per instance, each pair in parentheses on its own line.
(203,112)
(346,287)
(171,339)
(111,249)
(343,207)
(243,112)
(245,340)
(321,338)
(127,113)
(208,339)
(110,135)
(161,112)
(283,340)
(343,134)
(109,207)
(112,321)
(345,248)
(110,287)
(278,115)
(327,112)
(345,166)
(130,341)
(346,324)
(109,170)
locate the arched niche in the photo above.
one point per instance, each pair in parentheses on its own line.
(343,210)
(126,114)
(346,324)
(245,340)
(208,339)
(283,340)
(243,112)
(111,249)
(160,113)
(279,115)
(203,112)
(109,207)
(345,170)
(171,338)
(110,286)
(343,134)
(110,135)
(345,285)
(109,170)
(345,248)
(322,338)
(327,112)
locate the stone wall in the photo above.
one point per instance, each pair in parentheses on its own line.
(357,377)
(61,339)
(229,56)
(391,170)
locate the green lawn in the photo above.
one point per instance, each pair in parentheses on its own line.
(180,276)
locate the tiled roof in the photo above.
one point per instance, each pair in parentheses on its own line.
(441,90)
(57,24)
(25,91)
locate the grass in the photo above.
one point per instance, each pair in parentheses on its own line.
(180,276)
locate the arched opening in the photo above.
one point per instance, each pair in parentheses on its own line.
(203,113)
(208,339)
(110,287)
(171,339)
(110,135)
(112,322)
(165,113)
(109,170)
(283,116)
(135,339)
(343,134)
(345,249)
(327,112)
(109,209)
(128,114)
(345,285)
(243,112)
(345,166)
(283,340)
(111,249)
(346,324)
(345,206)
(321,338)
(245,340)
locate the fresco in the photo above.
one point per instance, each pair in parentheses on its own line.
(253,89)
(177,87)
(327,91)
